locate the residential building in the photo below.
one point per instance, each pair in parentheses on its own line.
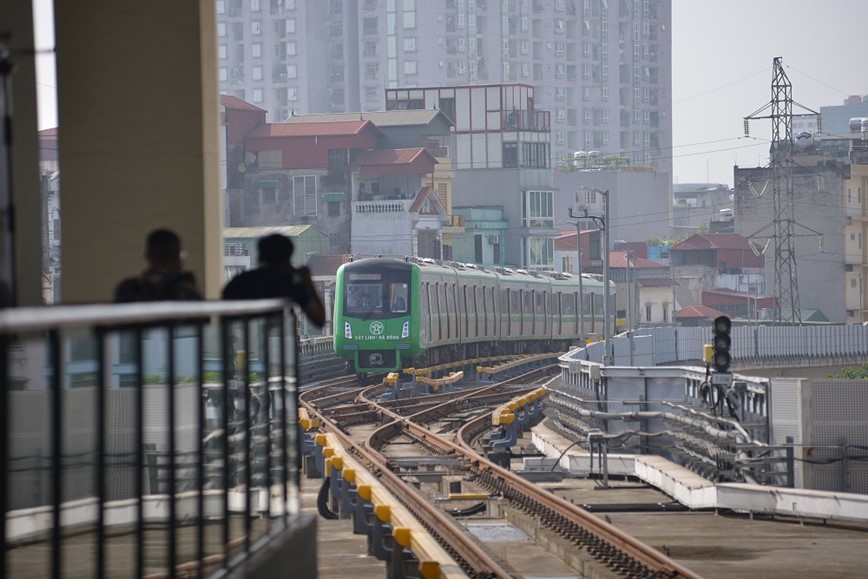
(49,187)
(603,67)
(484,228)
(701,205)
(711,261)
(836,118)
(567,252)
(639,200)
(856,235)
(643,290)
(411,129)
(821,253)
(500,146)
(337,174)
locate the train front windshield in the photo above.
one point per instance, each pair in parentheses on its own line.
(376,295)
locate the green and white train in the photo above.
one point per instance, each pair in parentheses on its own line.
(392,314)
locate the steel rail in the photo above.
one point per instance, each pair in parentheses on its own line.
(638,550)
(445,531)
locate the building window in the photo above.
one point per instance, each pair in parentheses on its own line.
(255,27)
(304,196)
(222,52)
(369,26)
(409,20)
(510,155)
(370,49)
(339,158)
(540,252)
(257,73)
(410,44)
(372,71)
(223,74)
(334,209)
(290,26)
(221,29)
(537,209)
(256,50)
(291,71)
(409,67)
(290,48)
(257,95)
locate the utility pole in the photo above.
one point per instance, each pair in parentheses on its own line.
(783,223)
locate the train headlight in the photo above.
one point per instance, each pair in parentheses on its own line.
(405,330)
(348,331)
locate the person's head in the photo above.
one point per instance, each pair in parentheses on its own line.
(275,249)
(163,249)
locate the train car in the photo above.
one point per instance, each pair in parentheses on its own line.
(392,314)
(377,314)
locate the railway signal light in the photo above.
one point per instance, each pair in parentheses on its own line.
(721,343)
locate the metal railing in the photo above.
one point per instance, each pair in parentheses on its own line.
(146,441)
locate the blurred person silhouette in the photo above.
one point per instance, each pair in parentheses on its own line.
(276,278)
(163,280)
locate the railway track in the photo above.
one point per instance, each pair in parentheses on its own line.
(451,428)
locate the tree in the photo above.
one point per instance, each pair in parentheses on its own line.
(860,373)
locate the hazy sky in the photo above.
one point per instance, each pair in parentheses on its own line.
(722,53)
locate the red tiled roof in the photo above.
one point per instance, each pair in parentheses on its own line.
(233,102)
(698,312)
(424,193)
(327,265)
(567,241)
(618,259)
(713,241)
(335,129)
(388,156)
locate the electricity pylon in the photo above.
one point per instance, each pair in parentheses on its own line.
(784,222)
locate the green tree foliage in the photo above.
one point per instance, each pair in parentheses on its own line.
(860,373)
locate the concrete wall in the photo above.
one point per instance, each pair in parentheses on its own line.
(817,195)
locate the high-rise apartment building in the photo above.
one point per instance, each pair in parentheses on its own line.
(601,67)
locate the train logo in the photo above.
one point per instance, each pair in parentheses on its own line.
(377,328)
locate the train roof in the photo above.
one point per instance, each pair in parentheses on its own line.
(470,270)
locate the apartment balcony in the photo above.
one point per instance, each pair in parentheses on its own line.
(537,121)
(381,207)
(454,225)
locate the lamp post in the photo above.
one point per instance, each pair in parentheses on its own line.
(603,223)
(609,355)
(581,290)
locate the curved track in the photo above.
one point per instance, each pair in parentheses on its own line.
(341,409)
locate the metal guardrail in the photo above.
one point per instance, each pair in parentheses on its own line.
(123,417)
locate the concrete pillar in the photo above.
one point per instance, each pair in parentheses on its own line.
(21,247)
(138,116)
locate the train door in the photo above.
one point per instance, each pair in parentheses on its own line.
(464,309)
(451,321)
(425,313)
(444,313)
(436,334)
(492,308)
(539,328)
(479,306)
